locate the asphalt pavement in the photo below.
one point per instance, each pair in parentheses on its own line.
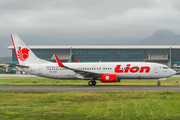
(88,88)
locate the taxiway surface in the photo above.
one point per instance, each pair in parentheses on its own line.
(88,88)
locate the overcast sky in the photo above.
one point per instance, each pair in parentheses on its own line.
(74,21)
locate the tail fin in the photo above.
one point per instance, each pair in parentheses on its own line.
(23,52)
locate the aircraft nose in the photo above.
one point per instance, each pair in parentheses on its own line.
(173,72)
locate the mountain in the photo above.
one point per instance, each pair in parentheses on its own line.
(4,60)
(161,37)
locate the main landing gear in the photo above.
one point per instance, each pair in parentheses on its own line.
(92,83)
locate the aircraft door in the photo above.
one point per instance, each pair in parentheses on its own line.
(155,69)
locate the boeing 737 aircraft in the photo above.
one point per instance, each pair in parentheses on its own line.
(103,71)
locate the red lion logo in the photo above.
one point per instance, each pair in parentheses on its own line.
(23,54)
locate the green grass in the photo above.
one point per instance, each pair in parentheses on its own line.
(80,105)
(47,81)
(143,105)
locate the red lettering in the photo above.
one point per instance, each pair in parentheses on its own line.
(145,67)
(134,69)
(127,68)
(117,69)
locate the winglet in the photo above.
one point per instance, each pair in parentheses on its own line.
(77,60)
(59,62)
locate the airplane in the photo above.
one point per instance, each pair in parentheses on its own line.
(104,71)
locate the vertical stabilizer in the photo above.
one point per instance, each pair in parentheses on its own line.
(23,52)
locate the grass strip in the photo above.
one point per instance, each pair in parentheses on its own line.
(47,81)
(44,105)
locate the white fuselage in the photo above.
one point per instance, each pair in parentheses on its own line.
(124,70)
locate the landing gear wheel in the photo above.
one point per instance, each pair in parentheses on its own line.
(90,83)
(158,83)
(94,82)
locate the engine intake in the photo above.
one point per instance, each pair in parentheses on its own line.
(109,78)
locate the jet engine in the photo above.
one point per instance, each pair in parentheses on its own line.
(109,78)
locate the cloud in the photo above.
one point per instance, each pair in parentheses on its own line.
(85,20)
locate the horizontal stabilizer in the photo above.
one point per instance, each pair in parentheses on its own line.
(17,65)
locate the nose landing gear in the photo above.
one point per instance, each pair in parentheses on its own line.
(92,83)
(158,83)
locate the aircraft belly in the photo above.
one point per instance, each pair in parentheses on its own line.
(126,75)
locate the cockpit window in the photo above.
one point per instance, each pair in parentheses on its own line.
(165,67)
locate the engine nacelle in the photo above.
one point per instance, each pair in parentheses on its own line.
(109,78)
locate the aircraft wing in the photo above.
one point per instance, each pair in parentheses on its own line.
(85,74)
(17,65)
